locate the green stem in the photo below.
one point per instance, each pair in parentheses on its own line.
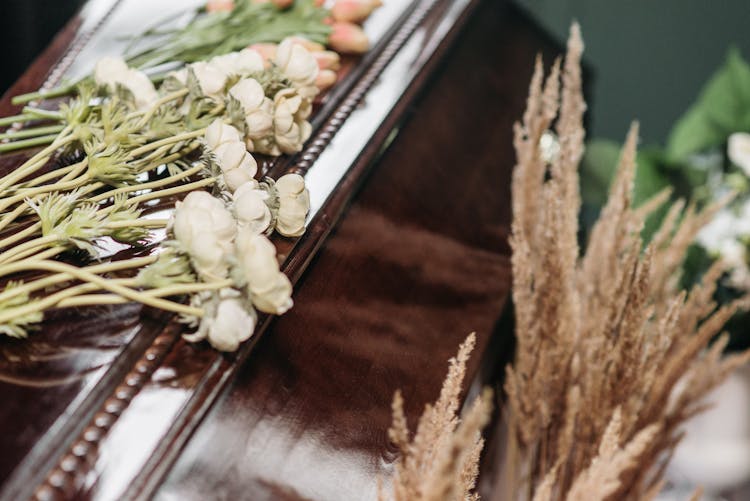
(40,190)
(85,276)
(63,90)
(27,143)
(32,132)
(65,277)
(24,248)
(138,223)
(16,119)
(42,113)
(147,186)
(171,290)
(37,161)
(168,192)
(12,216)
(166,141)
(5,242)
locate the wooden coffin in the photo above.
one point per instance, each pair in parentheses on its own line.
(406,253)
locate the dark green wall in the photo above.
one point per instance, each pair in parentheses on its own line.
(650,57)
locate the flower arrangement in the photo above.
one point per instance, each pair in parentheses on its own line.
(704,159)
(134,144)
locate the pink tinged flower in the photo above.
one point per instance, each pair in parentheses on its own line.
(296,62)
(326,79)
(348,38)
(327,60)
(307,44)
(354,11)
(219,5)
(267,51)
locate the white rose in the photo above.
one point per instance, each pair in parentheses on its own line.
(142,88)
(227,320)
(206,229)
(294,205)
(219,133)
(232,324)
(251,209)
(236,178)
(234,156)
(269,289)
(211,79)
(738,150)
(244,62)
(277,299)
(110,70)
(296,63)
(291,129)
(249,93)
(259,123)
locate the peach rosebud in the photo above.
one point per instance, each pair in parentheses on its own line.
(319,3)
(307,44)
(266,50)
(327,60)
(348,38)
(325,79)
(219,5)
(354,11)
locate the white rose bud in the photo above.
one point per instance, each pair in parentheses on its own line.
(251,209)
(294,205)
(206,230)
(269,289)
(110,70)
(219,133)
(232,324)
(142,88)
(235,178)
(259,123)
(277,299)
(249,93)
(738,151)
(234,156)
(244,62)
(296,63)
(211,79)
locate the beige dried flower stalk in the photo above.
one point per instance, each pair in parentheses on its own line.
(441,462)
(611,357)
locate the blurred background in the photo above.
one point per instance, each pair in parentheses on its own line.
(26,27)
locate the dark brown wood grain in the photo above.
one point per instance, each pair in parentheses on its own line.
(301,412)
(418,261)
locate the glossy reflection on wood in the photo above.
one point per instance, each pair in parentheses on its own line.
(419,261)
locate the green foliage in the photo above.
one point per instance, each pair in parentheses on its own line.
(722,108)
(213,34)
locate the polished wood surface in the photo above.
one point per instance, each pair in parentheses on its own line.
(419,260)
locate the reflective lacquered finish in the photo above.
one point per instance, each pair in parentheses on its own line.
(419,261)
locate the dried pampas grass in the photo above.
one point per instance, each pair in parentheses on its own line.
(611,356)
(441,461)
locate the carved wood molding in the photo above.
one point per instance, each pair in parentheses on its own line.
(68,475)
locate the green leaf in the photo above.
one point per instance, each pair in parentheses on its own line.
(722,108)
